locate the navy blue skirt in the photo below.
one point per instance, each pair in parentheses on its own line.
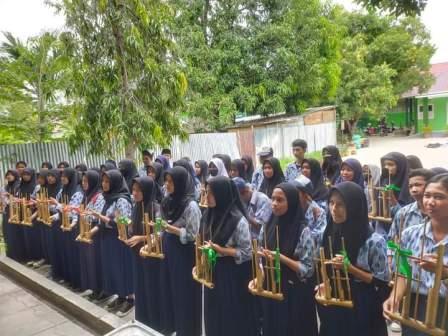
(228,307)
(44,237)
(116,264)
(15,241)
(365,318)
(71,266)
(295,315)
(33,244)
(90,264)
(184,291)
(56,249)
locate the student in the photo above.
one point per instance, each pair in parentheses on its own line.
(258,206)
(216,168)
(147,160)
(201,170)
(265,154)
(93,200)
(372,175)
(294,169)
(228,307)
(272,175)
(155,171)
(62,165)
(129,171)
(46,165)
(351,170)
(311,169)
(414,162)
(43,228)
(427,236)
(331,166)
(162,159)
(237,169)
(116,258)
(183,217)
(226,159)
(248,167)
(367,265)
(20,166)
(146,270)
(296,314)
(186,163)
(166,152)
(395,170)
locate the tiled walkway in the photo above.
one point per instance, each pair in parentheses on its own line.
(22,314)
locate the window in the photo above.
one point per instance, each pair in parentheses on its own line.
(421,108)
(430,111)
(420,112)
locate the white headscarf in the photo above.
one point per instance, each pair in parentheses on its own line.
(222,171)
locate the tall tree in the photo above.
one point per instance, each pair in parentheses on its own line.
(129,86)
(397,7)
(34,79)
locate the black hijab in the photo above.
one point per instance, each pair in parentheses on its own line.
(226,159)
(238,165)
(27,188)
(332,161)
(174,205)
(65,164)
(72,187)
(94,185)
(158,169)
(47,164)
(187,165)
(203,165)
(268,184)
(439,170)
(54,188)
(43,173)
(401,178)
(290,225)
(320,192)
(117,189)
(129,171)
(414,162)
(108,166)
(147,186)
(219,223)
(82,167)
(12,187)
(355,229)
(250,167)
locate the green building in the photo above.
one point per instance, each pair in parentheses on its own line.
(424,112)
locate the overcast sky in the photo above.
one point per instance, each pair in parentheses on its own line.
(25,18)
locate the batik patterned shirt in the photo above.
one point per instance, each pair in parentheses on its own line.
(259,208)
(292,171)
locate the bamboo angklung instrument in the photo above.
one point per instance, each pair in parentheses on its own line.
(336,295)
(203,200)
(380,204)
(268,286)
(43,207)
(122,226)
(14,210)
(205,258)
(429,324)
(153,232)
(65,214)
(26,212)
(85,225)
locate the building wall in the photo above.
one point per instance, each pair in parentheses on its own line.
(437,120)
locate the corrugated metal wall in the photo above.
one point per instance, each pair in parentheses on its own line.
(198,146)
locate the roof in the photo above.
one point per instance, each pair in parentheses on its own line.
(275,118)
(440,86)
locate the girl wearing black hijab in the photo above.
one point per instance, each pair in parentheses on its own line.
(33,245)
(183,217)
(414,162)
(108,165)
(62,165)
(248,167)
(129,171)
(46,165)
(93,200)
(45,230)
(71,192)
(331,165)
(367,265)
(296,314)
(155,170)
(146,270)
(201,170)
(273,175)
(237,169)
(311,169)
(189,168)
(229,305)
(13,233)
(116,257)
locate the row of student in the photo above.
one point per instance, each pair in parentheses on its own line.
(358,210)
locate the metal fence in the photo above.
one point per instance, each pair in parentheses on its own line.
(198,146)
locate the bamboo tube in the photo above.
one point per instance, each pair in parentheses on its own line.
(433,295)
(336,285)
(347,279)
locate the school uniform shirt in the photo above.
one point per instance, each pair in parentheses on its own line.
(317,221)
(412,215)
(143,171)
(292,171)
(257,178)
(411,239)
(241,241)
(75,201)
(96,204)
(124,208)
(372,257)
(188,223)
(259,207)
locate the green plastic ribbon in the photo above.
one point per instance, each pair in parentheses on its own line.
(392,187)
(402,255)
(158,224)
(123,220)
(211,255)
(278,274)
(346,260)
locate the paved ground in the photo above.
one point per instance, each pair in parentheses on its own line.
(430,157)
(23,314)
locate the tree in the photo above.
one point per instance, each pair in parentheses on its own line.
(129,85)
(34,79)
(397,7)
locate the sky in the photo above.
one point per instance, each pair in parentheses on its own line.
(26,18)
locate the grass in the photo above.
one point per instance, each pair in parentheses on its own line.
(310,155)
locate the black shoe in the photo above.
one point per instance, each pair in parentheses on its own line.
(125,308)
(115,304)
(101,298)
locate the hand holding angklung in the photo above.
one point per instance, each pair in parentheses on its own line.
(338,262)
(429,263)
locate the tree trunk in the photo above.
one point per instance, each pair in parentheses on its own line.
(205,19)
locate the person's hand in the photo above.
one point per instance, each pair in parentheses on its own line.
(319,289)
(53,201)
(429,263)
(133,241)
(268,254)
(214,246)
(170,228)
(389,306)
(338,262)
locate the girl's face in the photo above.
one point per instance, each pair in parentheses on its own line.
(10,178)
(338,209)
(151,172)
(268,172)
(211,201)
(306,169)
(85,183)
(234,172)
(169,184)
(391,166)
(105,183)
(212,169)
(279,202)
(64,180)
(51,179)
(347,173)
(246,166)
(197,169)
(41,180)
(26,177)
(137,192)
(20,167)
(435,201)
